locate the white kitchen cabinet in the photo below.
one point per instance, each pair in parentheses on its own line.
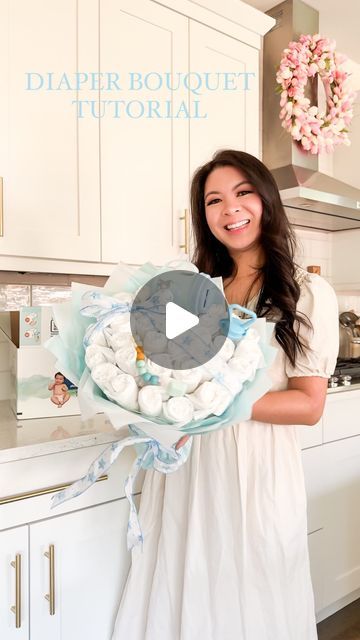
(232,115)
(144,191)
(14,584)
(342,518)
(143,157)
(90,565)
(87,535)
(81,193)
(73,591)
(342,415)
(332,477)
(48,157)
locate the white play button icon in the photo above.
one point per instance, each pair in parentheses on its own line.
(178,320)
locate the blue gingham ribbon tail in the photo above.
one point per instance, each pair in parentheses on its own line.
(101,465)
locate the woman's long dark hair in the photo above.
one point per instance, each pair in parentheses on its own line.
(280,291)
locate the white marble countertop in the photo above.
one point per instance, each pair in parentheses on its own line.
(20,439)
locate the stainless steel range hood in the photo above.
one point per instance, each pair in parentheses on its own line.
(311,199)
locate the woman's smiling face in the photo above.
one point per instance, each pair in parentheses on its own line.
(233,209)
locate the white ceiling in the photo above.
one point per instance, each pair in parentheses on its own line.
(338,20)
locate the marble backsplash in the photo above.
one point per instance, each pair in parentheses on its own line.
(14,296)
(37,289)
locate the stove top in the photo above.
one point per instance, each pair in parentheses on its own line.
(350,366)
(347,372)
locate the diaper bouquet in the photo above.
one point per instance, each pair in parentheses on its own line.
(113,342)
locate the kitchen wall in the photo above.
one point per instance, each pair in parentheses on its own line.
(315,249)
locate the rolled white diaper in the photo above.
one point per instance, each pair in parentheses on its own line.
(178,410)
(126,359)
(118,339)
(125,391)
(191,377)
(150,400)
(121,321)
(248,343)
(226,348)
(210,398)
(211,368)
(244,368)
(155,342)
(95,337)
(142,324)
(96,354)
(249,349)
(103,374)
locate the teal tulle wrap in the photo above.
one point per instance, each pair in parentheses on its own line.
(153,438)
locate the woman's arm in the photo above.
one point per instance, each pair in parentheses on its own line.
(301,403)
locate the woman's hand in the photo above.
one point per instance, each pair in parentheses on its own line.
(181,442)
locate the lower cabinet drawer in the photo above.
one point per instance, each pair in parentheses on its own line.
(341,417)
(26,485)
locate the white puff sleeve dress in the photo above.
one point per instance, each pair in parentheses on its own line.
(225,553)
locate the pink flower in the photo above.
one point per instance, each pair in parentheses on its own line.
(313,69)
(303,59)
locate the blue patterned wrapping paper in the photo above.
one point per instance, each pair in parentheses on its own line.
(153,439)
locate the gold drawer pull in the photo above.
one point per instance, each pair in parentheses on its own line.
(41,492)
(17,607)
(51,595)
(185,217)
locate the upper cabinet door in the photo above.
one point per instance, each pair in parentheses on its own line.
(143,130)
(229,99)
(48,156)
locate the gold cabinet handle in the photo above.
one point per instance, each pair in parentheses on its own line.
(185,217)
(51,595)
(40,492)
(1,209)
(17,607)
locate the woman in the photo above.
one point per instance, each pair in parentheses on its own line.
(225,554)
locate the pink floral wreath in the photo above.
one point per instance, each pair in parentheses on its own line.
(315,131)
